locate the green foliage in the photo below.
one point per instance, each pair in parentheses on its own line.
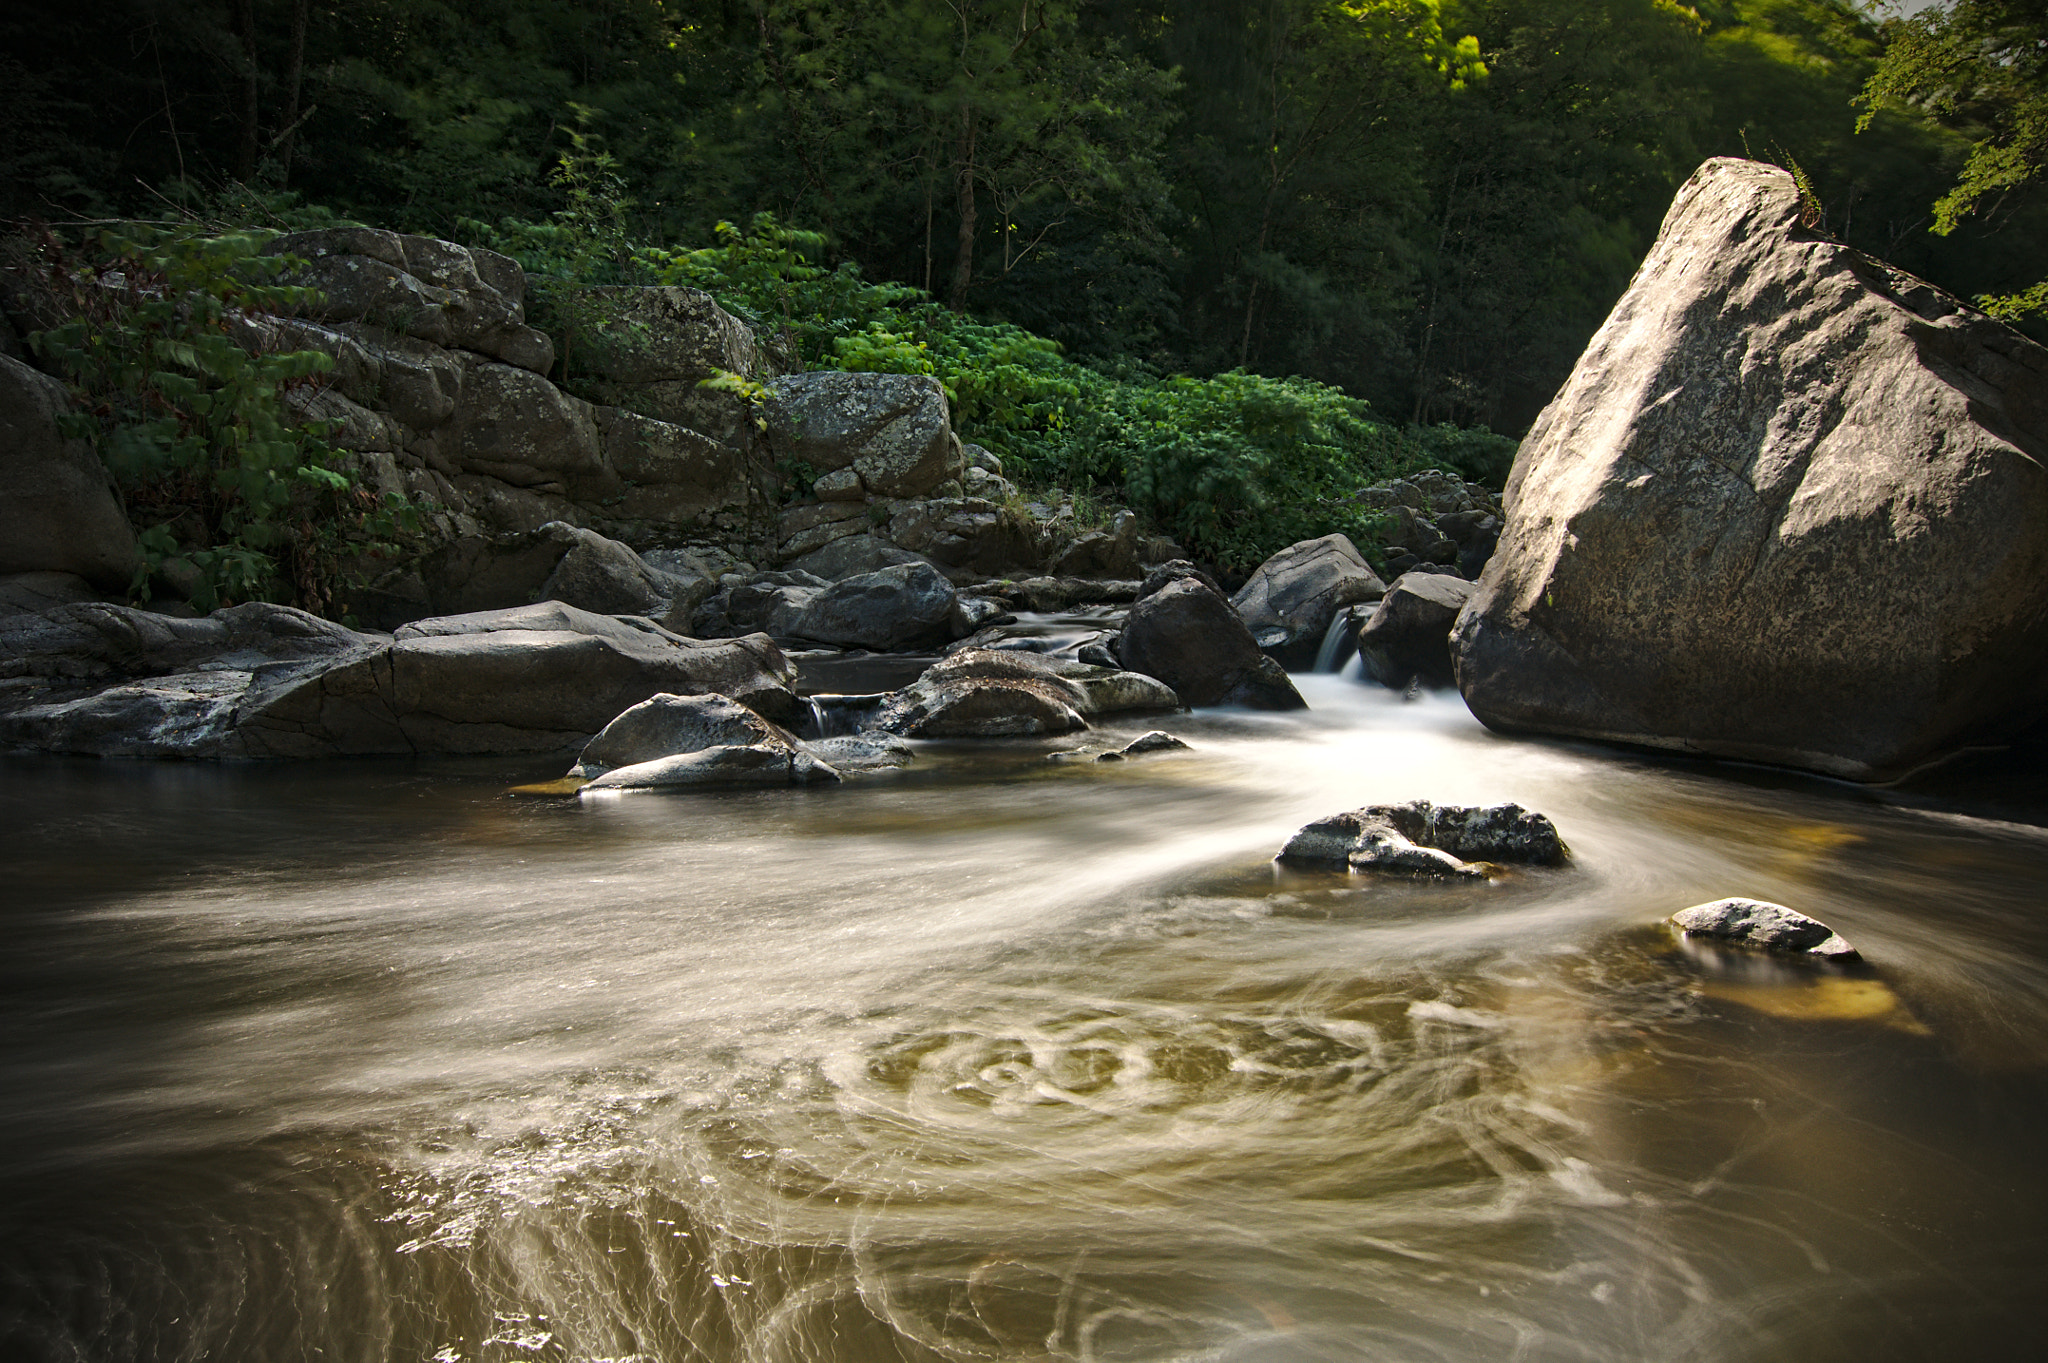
(192,420)
(1981,65)
(1235,466)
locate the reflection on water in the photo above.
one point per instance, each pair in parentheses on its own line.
(997,1058)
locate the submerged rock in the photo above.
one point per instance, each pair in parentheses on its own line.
(1790,507)
(1765,926)
(862,752)
(1426,839)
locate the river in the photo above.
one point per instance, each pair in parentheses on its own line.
(998,1058)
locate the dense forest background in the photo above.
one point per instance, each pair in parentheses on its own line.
(1429,205)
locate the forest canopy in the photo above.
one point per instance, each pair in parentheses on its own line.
(1426,204)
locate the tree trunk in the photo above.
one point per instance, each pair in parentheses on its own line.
(963,184)
(245,159)
(293,77)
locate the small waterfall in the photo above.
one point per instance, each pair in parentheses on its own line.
(1340,641)
(835,716)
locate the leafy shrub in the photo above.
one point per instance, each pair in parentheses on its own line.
(193,424)
(1235,466)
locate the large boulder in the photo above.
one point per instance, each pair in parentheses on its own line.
(1408,637)
(1790,507)
(906,606)
(1289,602)
(93,641)
(58,511)
(893,430)
(1185,634)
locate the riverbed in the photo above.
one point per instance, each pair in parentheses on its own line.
(999,1058)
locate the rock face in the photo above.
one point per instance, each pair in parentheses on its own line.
(669,740)
(1185,634)
(1766,926)
(1289,602)
(1408,638)
(892,430)
(269,681)
(1791,507)
(58,513)
(1425,839)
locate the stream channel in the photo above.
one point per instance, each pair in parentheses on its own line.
(996,1058)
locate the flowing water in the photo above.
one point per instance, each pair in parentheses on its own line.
(999,1059)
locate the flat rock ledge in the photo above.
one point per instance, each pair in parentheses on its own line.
(1764,926)
(1420,838)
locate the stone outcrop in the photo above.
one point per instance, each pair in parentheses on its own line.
(1791,507)
(433,291)
(893,432)
(58,511)
(1184,633)
(269,681)
(1290,600)
(1764,926)
(1407,638)
(1424,839)
(443,393)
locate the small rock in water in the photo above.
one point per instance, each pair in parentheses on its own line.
(1770,927)
(1158,740)
(1425,839)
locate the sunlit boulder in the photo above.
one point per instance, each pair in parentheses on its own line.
(1791,507)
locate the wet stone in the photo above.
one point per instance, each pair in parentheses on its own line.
(1765,926)
(1420,838)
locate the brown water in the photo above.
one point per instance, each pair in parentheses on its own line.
(1001,1059)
